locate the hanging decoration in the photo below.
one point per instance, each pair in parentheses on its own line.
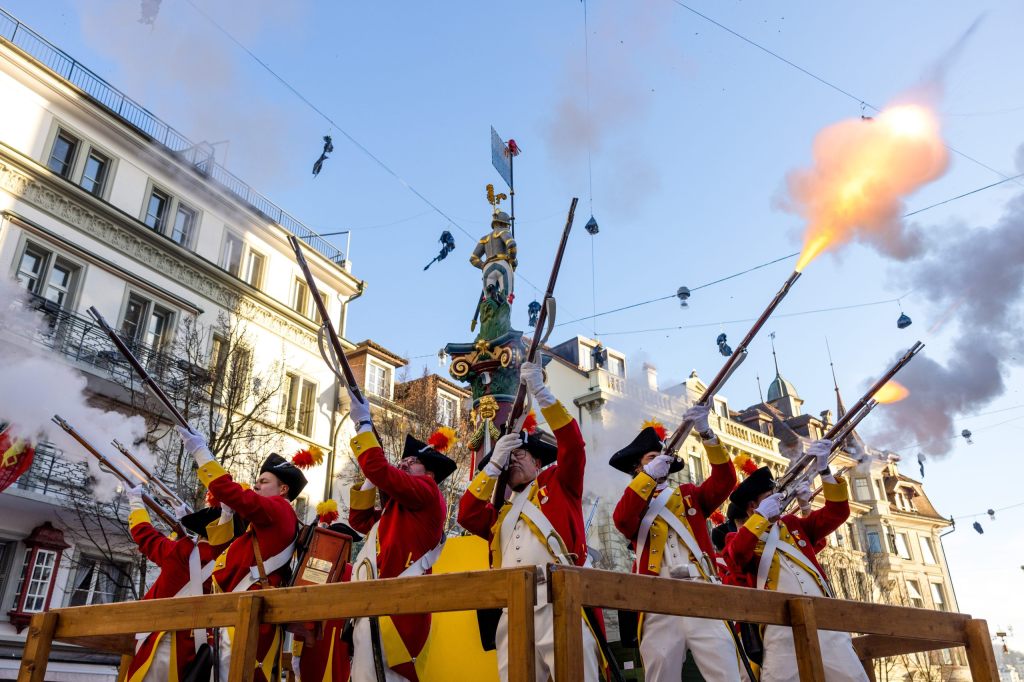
(683,294)
(991,514)
(600,355)
(977,527)
(447,246)
(533,310)
(904,321)
(318,165)
(966,433)
(920,462)
(591,227)
(723,347)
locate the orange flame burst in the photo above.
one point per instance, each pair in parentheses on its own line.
(891,392)
(862,171)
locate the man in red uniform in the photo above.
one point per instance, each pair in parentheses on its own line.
(272,529)
(184,565)
(403,539)
(778,552)
(667,528)
(543,523)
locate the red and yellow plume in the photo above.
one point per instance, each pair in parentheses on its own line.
(308,458)
(211,499)
(530,424)
(658,427)
(442,439)
(327,511)
(744,463)
(717,518)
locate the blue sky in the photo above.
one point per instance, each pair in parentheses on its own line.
(695,133)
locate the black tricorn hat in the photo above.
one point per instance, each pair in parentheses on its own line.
(719,533)
(536,446)
(625,460)
(752,487)
(436,463)
(197,521)
(345,529)
(289,474)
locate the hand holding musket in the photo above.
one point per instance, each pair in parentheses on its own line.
(149,477)
(157,508)
(675,441)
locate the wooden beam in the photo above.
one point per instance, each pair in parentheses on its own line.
(869,668)
(567,605)
(980,656)
(180,613)
(879,646)
(522,646)
(122,669)
(805,639)
(247,635)
(37,647)
(114,644)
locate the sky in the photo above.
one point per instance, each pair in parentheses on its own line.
(690,132)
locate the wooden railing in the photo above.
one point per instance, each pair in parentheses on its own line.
(112,627)
(881,630)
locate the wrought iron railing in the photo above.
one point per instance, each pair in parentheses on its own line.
(134,114)
(53,475)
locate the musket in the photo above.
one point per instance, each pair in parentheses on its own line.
(140,370)
(334,354)
(844,426)
(674,442)
(171,496)
(517,415)
(157,508)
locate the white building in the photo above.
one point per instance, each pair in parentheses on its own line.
(103,204)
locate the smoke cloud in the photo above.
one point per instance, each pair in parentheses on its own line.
(38,384)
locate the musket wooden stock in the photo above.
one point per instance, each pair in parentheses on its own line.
(519,405)
(170,494)
(738,355)
(157,508)
(144,375)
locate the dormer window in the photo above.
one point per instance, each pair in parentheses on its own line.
(378,380)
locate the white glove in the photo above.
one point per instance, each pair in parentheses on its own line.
(135,497)
(532,374)
(181,511)
(698,414)
(367,485)
(770,506)
(820,451)
(195,444)
(295,667)
(803,496)
(502,451)
(658,467)
(360,412)
(226,514)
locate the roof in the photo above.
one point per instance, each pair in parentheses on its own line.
(378,349)
(781,388)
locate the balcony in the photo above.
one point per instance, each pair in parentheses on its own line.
(53,476)
(199,156)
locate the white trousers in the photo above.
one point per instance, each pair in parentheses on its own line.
(363,669)
(665,640)
(160,666)
(837,655)
(544,659)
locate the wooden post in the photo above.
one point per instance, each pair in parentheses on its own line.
(869,668)
(247,634)
(522,643)
(566,597)
(37,647)
(980,656)
(805,639)
(126,662)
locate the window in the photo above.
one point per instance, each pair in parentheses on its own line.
(146,323)
(881,489)
(696,469)
(862,585)
(156,210)
(927,550)
(184,225)
(446,410)
(874,542)
(94,175)
(48,275)
(255,264)
(616,366)
(39,581)
(851,533)
(902,545)
(6,555)
(861,490)
(300,297)
(231,253)
(96,582)
(300,398)
(586,358)
(938,597)
(378,380)
(62,154)
(914,595)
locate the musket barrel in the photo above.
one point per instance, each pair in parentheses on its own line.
(149,475)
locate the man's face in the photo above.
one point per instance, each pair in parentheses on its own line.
(269,485)
(646,459)
(413,466)
(752,505)
(522,469)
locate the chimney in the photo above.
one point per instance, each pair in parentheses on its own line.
(652,376)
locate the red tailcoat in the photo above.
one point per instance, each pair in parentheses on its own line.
(171,556)
(274,523)
(690,503)
(411,524)
(559,492)
(743,548)
(327,659)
